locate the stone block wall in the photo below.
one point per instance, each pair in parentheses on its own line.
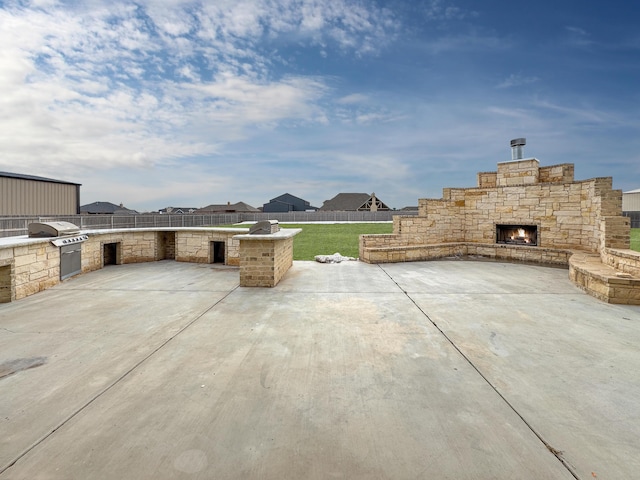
(624,261)
(487,179)
(7,280)
(523,172)
(615,233)
(605,281)
(133,247)
(264,262)
(185,245)
(566,214)
(265,258)
(33,267)
(563,173)
(195,246)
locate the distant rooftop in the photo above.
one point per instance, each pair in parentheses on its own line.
(35,178)
(105,207)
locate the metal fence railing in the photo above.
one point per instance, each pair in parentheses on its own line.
(634,217)
(13,226)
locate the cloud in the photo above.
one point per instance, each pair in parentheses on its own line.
(577,115)
(472,41)
(354,98)
(516,80)
(578,37)
(110,84)
(444,10)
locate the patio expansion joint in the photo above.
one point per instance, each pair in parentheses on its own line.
(46,436)
(555,452)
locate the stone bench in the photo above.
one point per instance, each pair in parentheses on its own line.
(423,252)
(603,281)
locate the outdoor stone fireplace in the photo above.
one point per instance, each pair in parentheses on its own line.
(524,212)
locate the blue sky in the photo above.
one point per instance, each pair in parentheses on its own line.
(163,103)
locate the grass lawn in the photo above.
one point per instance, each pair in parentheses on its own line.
(329,238)
(635,239)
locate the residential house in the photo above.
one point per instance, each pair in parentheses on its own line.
(287,203)
(177,210)
(106,208)
(354,202)
(239,207)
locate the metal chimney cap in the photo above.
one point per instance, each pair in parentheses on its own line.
(518,142)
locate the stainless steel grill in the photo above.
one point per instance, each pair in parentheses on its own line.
(67,236)
(52,229)
(264,227)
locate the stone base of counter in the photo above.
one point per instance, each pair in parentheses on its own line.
(264,259)
(7,281)
(30,265)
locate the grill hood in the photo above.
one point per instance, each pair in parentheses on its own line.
(52,229)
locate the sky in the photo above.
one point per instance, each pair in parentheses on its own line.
(160,103)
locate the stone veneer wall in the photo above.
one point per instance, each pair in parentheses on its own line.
(196,247)
(263,262)
(568,214)
(134,247)
(624,261)
(6,281)
(33,265)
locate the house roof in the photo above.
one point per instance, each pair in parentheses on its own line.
(105,207)
(346,201)
(288,199)
(354,202)
(633,191)
(34,178)
(227,208)
(178,210)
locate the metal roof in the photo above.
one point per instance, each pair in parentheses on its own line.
(34,178)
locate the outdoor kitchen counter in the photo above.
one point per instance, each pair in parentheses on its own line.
(29,265)
(265,258)
(10,242)
(16,241)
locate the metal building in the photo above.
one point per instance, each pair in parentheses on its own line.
(631,206)
(31,195)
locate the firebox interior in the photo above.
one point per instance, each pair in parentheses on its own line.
(517,234)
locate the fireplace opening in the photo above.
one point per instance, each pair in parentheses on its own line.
(517,234)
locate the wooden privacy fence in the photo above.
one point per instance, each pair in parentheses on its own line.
(12,226)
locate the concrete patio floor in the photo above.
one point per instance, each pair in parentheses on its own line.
(426,370)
